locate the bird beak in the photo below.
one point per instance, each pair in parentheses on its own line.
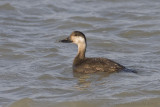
(67,40)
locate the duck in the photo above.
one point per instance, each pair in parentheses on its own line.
(83,64)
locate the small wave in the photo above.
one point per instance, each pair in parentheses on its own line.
(150,102)
(74,25)
(99,19)
(46,77)
(55,8)
(25,102)
(7,6)
(138,33)
(99,30)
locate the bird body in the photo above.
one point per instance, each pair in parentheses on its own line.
(83,64)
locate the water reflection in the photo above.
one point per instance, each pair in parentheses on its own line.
(86,80)
(83,81)
(33,65)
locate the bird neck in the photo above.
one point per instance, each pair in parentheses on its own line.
(81,51)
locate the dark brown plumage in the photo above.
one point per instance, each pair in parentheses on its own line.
(92,65)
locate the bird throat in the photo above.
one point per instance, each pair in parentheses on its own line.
(81,51)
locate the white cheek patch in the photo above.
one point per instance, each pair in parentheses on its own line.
(78,40)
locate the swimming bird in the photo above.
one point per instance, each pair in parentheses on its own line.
(83,64)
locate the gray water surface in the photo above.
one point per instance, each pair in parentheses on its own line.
(36,70)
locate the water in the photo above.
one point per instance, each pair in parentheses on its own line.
(35,69)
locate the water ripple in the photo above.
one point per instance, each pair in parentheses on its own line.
(36,69)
